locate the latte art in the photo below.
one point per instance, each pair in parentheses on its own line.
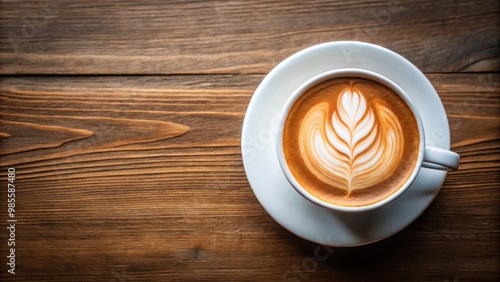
(353,148)
(344,141)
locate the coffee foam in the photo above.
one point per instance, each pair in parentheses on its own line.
(344,141)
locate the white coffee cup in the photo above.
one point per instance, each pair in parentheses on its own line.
(428,156)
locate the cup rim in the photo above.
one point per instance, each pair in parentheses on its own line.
(345,72)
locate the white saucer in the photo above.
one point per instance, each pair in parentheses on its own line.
(270,186)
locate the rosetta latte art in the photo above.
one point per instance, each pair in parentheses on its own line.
(354,146)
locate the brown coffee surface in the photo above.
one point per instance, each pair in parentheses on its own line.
(351,141)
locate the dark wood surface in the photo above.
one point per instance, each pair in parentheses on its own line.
(123,122)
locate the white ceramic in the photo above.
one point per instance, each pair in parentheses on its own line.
(428,156)
(274,192)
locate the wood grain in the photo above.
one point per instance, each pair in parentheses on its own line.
(111,194)
(123,122)
(207,37)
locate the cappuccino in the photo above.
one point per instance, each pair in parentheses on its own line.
(351,141)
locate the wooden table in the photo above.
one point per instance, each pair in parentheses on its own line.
(123,120)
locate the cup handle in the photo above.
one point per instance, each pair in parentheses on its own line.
(441,159)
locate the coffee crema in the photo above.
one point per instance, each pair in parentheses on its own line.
(351,141)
